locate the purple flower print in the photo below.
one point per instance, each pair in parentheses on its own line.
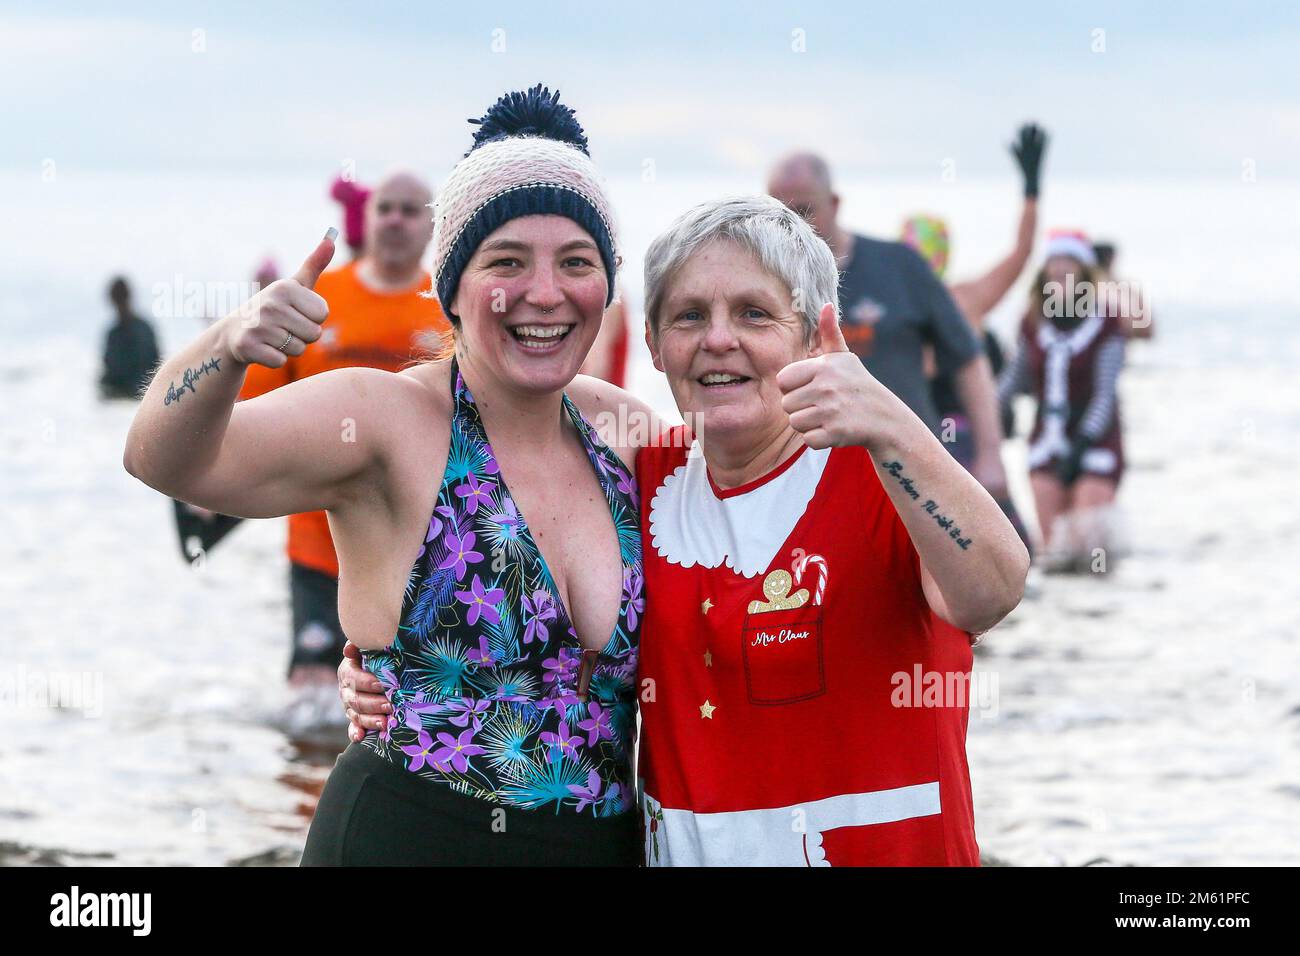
(590,794)
(602,466)
(459,551)
(483,657)
(632,597)
(625,670)
(597,726)
(418,752)
(467,709)
(482,603)
(537,611)
(562,740)
(561,669)
(389,681)
(456,750)
(507,517)
(411,712)
(475,493)
(435,529)
(626,484)
(490,467)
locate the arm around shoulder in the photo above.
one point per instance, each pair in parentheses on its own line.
(624,422)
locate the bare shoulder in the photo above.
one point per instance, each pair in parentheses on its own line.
(624,422)
(381,410)
(422,396)
(595,395)
(384,399)
(409,415)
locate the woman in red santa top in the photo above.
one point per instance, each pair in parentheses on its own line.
(815,566)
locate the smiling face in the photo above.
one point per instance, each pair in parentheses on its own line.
(530,302)
(724,330)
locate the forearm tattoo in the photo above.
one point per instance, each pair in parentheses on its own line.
(188,380)
(895,470)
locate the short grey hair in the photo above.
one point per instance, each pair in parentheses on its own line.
(786,246)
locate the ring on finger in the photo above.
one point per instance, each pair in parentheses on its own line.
(286,342)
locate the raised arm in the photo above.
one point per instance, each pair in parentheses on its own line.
(973,564)
(978,296)
(298,448)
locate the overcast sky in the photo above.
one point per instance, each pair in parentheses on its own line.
(1139,91)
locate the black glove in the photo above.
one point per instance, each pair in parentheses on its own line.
(1028,150)
(1070,466)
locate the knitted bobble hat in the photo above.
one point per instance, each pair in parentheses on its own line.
(529,158)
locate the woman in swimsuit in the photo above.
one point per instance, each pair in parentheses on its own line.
(1069,354)
(488,537)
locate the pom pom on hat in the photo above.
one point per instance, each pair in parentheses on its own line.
(537,112)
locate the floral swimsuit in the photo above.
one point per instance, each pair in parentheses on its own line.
(492,692)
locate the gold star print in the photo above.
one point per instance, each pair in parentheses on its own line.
(708,658)
(706,605)
(707,709)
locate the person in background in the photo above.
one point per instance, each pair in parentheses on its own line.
(977,297)
(893,305)
(352,197)
(1069,354)
(1124,298)
(380,315)
(266,273)
(130,348)
(608,356)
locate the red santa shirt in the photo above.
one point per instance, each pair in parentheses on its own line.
(785,628)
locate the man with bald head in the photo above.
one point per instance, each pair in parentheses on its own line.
(891,305)
(378,318)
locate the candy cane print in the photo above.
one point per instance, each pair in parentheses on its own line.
(801,561)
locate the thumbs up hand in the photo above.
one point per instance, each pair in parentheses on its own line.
(831,398)
(285,317)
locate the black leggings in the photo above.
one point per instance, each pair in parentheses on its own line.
(374,813)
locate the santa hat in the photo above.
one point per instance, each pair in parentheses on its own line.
(1073,243)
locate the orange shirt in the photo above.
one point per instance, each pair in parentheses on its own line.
(375,329)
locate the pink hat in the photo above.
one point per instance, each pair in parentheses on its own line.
(353,199)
